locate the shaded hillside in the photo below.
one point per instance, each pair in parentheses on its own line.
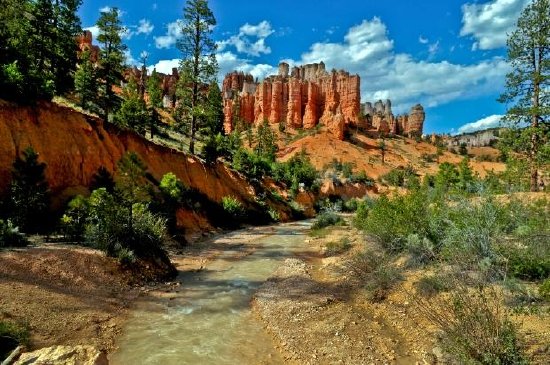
(75,145)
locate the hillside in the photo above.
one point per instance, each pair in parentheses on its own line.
(365,154)
(75,145)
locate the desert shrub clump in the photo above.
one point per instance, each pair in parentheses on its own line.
(376,273)
(233,207)
(10,235)
(476,326)
(327,219)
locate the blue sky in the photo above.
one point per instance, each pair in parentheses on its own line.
(450,56)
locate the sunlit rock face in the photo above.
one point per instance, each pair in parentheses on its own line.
(305,96)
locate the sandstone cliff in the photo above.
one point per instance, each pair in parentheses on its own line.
(75,145)
(300,98)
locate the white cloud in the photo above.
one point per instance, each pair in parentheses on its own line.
(243,43)
(489,23)
(173,32)
(367,51)
(423,40)
(165,66)
(485,123)
(229,61)
(105,9)
(144,27)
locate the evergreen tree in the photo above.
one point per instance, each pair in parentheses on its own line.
(266,146)
(68,26)
(131,183)
(103,179)
(528,85)
(37,48)
(133,112)
(111,58)
(214,111)
(198,67)
(86,83)
(29,192)
(154,89)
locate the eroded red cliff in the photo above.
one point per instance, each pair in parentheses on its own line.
(74,146)
(310,95)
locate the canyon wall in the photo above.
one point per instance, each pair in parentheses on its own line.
(75,145)
(305,96)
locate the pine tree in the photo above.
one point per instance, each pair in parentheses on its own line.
(133,111)
(68,26)
(528,85)
(266,146)
(38,51)
(29,192)
(198,67)
(214,111)
(111,58)
(85,82)
(154,89)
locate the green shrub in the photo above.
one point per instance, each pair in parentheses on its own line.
(528,262)
(274,214)
(421,249)
(327,219)
(14,333)
(350,205)
(544,290)
(110,228)
(391,220)
(401,177)
(431,285)
(337,247)
(376,273)
(298,172)
(361,178)
(73,222)
(10,235)
(233,207)
(476,327)
(473,230)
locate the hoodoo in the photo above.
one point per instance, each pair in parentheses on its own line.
(310,95)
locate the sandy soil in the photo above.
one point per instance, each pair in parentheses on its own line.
(66,295)
(318,315)
(364,152)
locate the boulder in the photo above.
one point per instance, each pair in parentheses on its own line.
(64,355)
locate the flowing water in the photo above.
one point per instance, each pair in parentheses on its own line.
(209,321)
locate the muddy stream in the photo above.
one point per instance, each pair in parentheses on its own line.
(208,319)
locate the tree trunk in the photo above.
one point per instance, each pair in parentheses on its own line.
(537,63)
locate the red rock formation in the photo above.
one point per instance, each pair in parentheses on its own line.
(415,121)
(311,114)
(294,115)
(74,146)
(85,44)
(309,96)
(385,122)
